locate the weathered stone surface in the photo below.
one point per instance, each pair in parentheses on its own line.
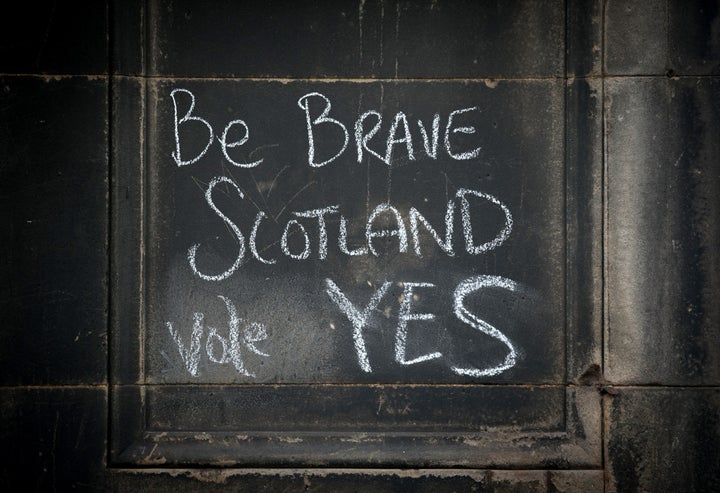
(50,37)
(663,439)
(663,281)
(694,37)
(584,33)
(53,207)
(53,439)
(657,37)
(635,36)
(519,481)
(127,37)
(334,480)
(661,355)
(472,39)
(576,481)
(377,480)
(357,39)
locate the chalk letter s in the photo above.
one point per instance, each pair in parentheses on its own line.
(192,252)
(470,286)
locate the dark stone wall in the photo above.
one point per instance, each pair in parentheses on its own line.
(656,64)
(663,173)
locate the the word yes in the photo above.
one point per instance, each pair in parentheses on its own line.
(360,319)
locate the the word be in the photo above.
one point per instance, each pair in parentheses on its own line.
(188,118)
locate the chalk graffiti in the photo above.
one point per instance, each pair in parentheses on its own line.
(372,231)
(218,348)
(313,238)
(361,319)
(400,122)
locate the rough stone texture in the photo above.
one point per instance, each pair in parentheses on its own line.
(126,51)
(661,197)
(663,439)
(378,480)
(662,263)
(53,207)
(663,177)
(519,481)
(387,39)
(53,438)
(421,39)
(305,480)
(694,37)
(635,36)
(584,36)
(49,37)
(657,37)
(575,481)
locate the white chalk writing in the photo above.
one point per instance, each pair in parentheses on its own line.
(304,103)
(463,290)
(220,349)
(399,125)
(362,320)
(192,252)
(357,318)
(222,139)
(405,315)
(397,229)
(318,233)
